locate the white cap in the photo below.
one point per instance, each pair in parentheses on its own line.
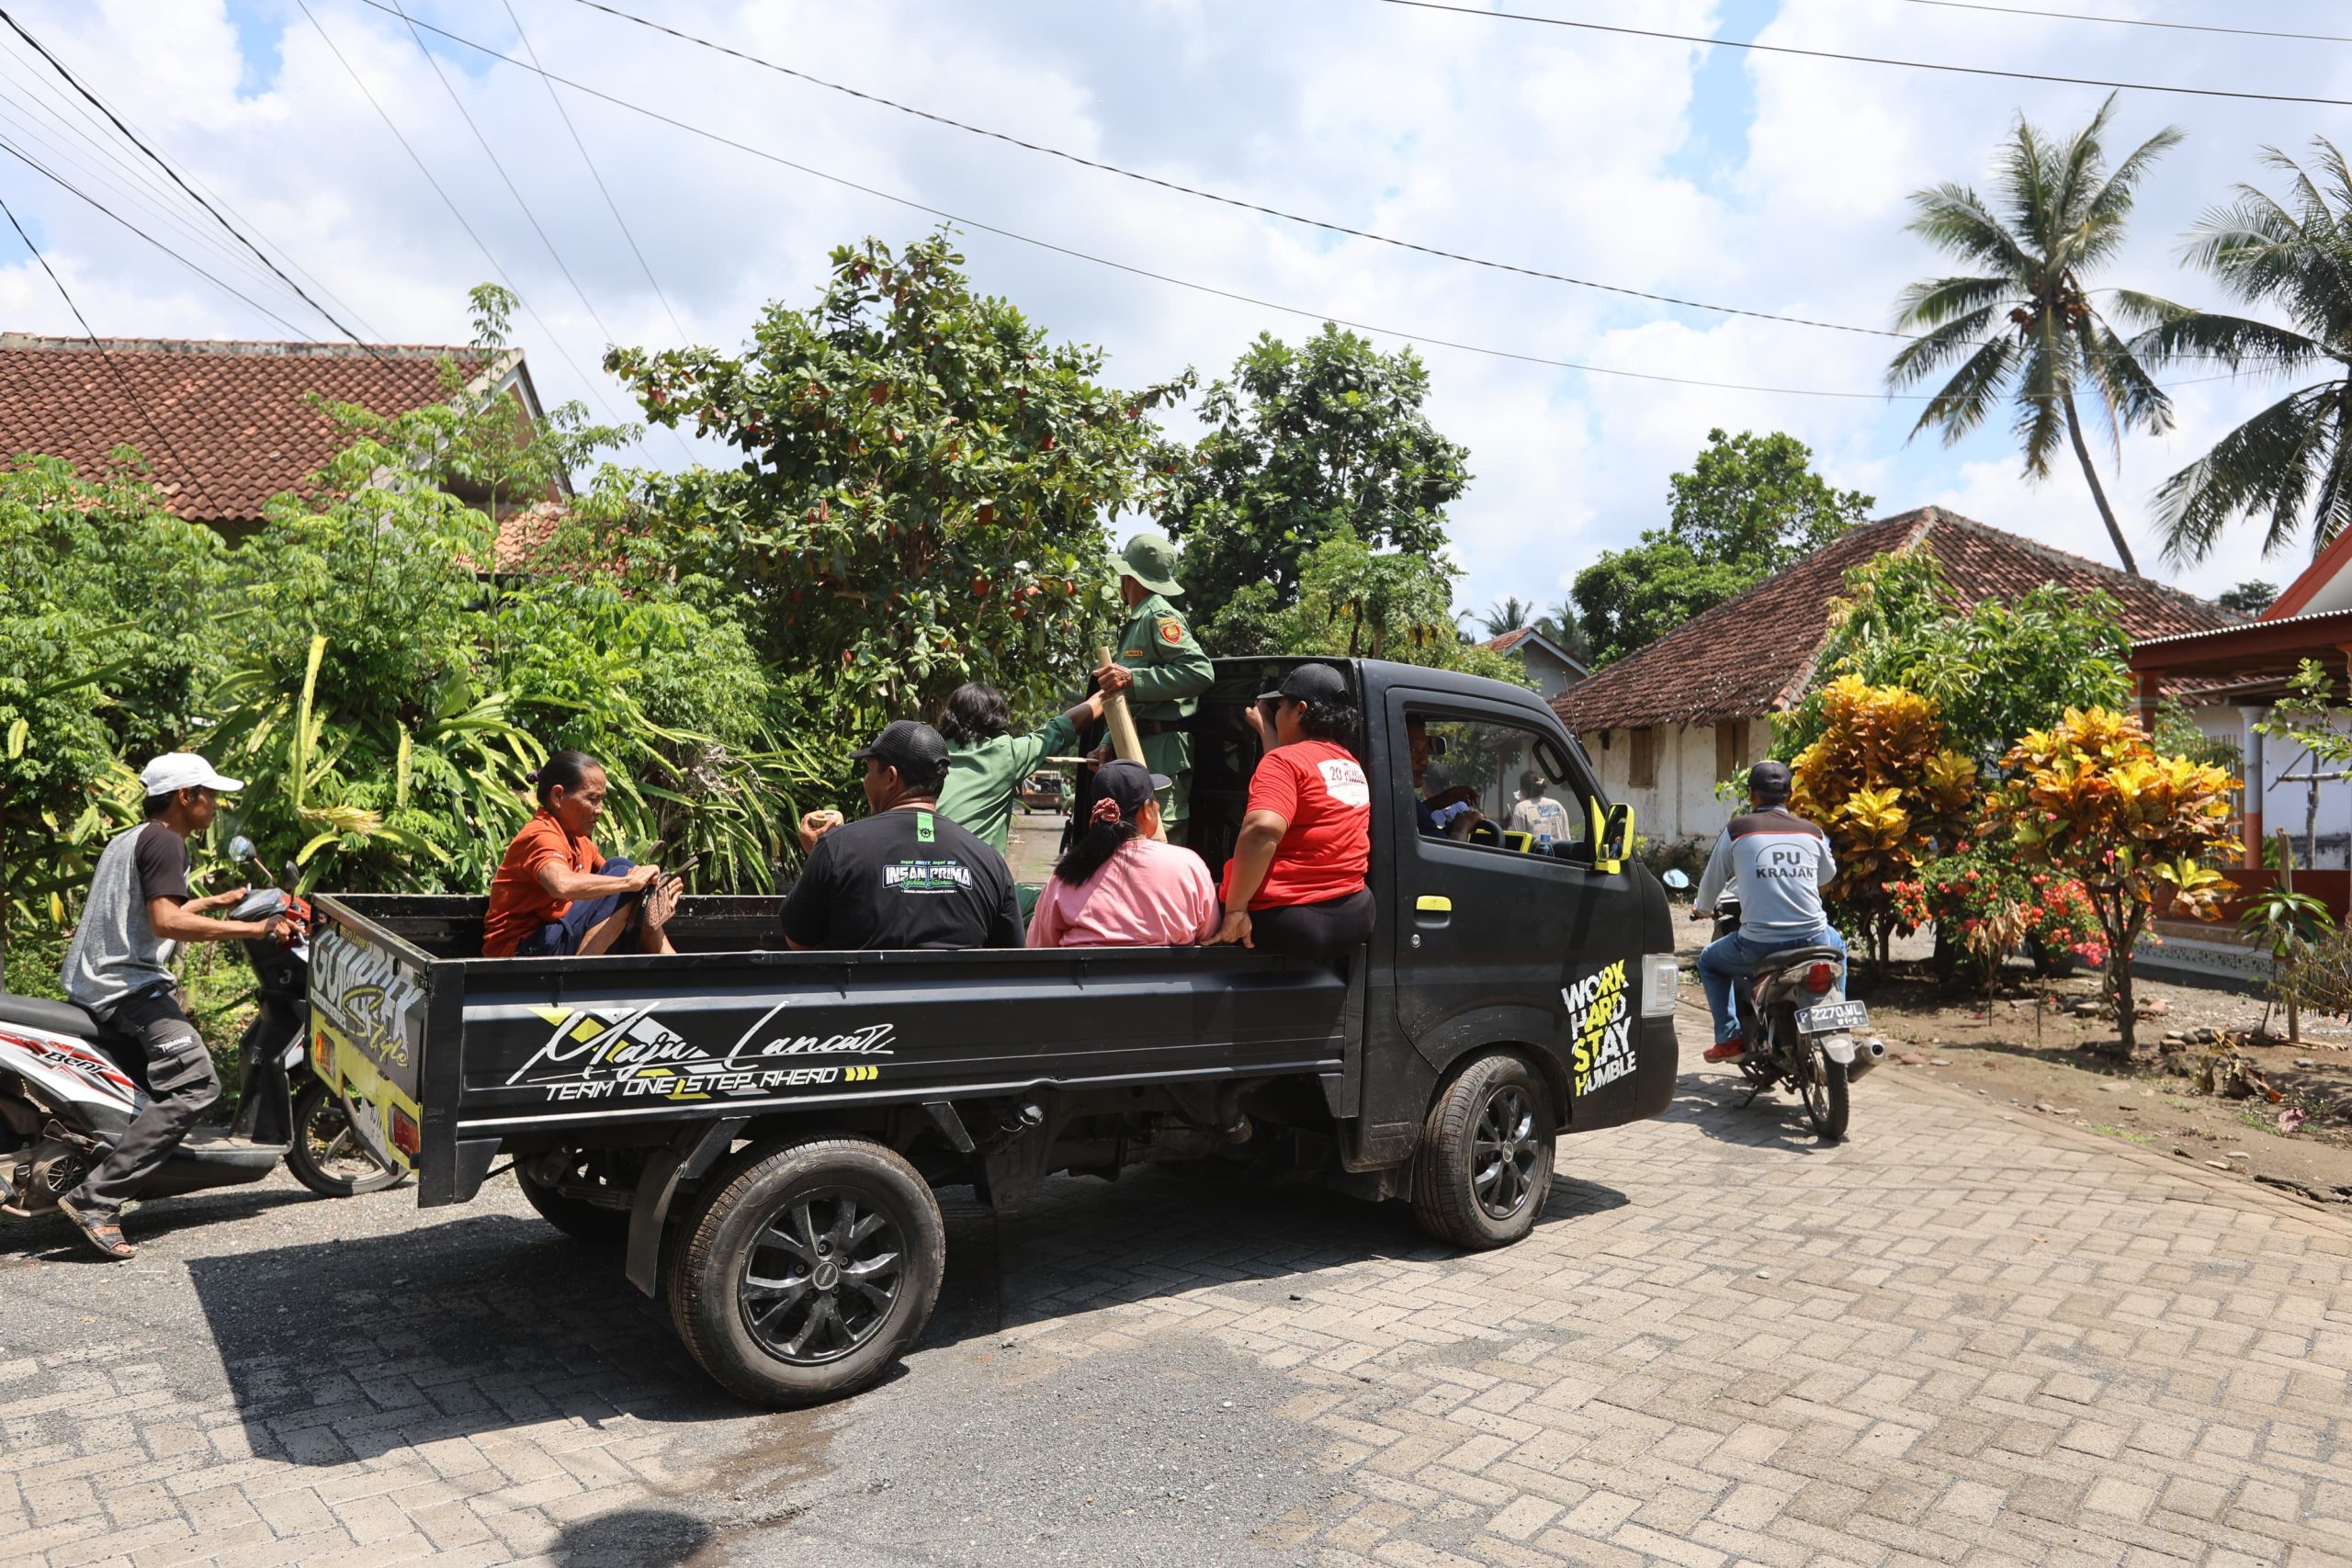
(176,770)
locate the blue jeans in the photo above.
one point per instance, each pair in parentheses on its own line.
(561,938)
(1732,958)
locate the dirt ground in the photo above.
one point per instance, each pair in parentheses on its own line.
(2027,1047)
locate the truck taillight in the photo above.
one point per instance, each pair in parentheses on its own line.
(404,1135)
(1821,976)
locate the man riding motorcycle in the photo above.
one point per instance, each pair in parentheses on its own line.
(118,968)
(1779,862)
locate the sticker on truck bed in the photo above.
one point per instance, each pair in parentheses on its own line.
(1600,1027)
(367,1015)
(627,1053)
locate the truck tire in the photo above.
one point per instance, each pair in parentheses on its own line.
(807,1269)
(1483,1169)
(575,1217)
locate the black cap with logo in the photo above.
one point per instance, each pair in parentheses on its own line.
(1310,683)
(908,745)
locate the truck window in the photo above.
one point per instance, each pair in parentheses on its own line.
(1518,779)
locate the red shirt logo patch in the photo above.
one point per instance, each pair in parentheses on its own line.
(1172,632)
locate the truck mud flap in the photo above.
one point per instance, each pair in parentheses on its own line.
(696,1148)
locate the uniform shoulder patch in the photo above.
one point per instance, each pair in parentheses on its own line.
(1172,630)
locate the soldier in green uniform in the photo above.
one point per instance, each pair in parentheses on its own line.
(1162,670)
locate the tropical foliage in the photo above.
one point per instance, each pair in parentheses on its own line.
(1749,506)
(1356,601)
(2023,327)
(1984,905)
(2091,799)
(1883,780)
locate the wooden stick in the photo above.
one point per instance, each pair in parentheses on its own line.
(1126,741)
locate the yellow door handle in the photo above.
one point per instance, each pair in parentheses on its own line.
(1433,904)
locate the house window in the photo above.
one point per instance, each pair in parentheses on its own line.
(1641,767)
(1731,742)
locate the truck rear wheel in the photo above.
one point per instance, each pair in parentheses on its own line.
(575,1216)
(1483,1169)
(807,1271)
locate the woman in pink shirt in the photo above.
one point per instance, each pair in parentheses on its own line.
(1119,885)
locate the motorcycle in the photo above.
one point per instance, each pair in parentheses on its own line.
(1799,1030)
(70,1087)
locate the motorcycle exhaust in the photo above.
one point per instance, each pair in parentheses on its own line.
(1868,1054)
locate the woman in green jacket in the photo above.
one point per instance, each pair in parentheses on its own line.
(985,764)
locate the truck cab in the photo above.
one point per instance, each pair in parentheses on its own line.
(740,1113)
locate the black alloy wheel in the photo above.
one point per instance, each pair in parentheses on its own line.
(1505,1153)
(820,1277)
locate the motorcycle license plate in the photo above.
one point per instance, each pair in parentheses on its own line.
(1832,1018)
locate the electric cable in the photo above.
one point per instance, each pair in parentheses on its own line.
(1133,270)
(360,81)
(2131,21)
(74,82)
(1241,203)
(97,343)
(71,189)
(1707,41)
(594,174)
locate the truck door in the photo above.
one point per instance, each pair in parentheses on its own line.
(1488,933)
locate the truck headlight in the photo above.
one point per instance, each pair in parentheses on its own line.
(1661,980)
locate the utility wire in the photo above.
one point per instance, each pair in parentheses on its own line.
(610,205)
(361,83)
(95,341)
(2130,21)
(71,189)
(74,82)
(1708,41)
(1241,203)
(939,212)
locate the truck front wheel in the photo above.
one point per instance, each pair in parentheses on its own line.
(807,1271)
(1484,1166)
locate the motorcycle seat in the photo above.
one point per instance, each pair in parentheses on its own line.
(58,1018)
(1789,958)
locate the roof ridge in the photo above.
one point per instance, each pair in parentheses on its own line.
(258,347)
(2081,563)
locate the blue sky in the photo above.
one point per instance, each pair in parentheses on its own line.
(1713,173)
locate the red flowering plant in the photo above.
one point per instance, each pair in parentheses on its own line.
(1978,901)
(2062,919)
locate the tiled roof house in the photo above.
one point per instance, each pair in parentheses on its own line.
(231,424)
(1552,668)
(1664,723)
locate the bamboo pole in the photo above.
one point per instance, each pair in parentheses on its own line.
(1125,740)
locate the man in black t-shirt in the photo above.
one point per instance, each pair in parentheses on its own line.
(905,876)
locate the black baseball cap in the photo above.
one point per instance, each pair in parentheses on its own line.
(908,745)
(1310,683)
(1769,780)
(1130,784)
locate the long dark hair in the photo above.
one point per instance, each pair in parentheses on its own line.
(566,769)
(1094,849)
(975,713)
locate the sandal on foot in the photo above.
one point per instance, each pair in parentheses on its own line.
(104,1234)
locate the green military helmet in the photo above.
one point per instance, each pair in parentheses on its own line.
(1151,560)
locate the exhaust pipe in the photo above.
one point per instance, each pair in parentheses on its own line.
(1868,1054)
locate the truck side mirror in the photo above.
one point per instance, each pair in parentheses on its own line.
(1612,836)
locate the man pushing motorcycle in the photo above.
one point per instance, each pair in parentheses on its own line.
(118,968)
(1779,862)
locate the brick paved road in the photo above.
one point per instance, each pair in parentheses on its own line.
(1962,1337)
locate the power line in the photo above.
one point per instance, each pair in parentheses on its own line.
(610,205)
(1241,203)
(1708,41)
(2130,21)
(71,189)
(74,82)
(360,81)
(120,380)
(939,212)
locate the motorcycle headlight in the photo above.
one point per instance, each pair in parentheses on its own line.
(1661,982)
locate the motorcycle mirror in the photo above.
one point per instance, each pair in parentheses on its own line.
(1674,879)
(241,848)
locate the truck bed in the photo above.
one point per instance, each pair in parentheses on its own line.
(476,1051)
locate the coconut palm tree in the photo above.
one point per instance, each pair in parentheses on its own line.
(2022,326)
(1507,614)
(2292,461)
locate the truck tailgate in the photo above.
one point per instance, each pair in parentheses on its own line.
(367,1036)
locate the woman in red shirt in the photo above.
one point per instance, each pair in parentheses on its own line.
(553,895)
(1295,882)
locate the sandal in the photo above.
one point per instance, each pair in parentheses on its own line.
(104,1234)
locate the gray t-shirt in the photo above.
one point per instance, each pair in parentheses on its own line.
(116,952)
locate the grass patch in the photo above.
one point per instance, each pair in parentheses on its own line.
(2126,1133)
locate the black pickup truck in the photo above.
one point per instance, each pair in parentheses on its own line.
(764,1129)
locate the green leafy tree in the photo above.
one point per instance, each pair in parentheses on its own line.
(2289,464)
(923,481)
(1507,614)
(1355,601)
(1305,445)
(1749,507)
(2250,597)
(1995,669)
(2023,326)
